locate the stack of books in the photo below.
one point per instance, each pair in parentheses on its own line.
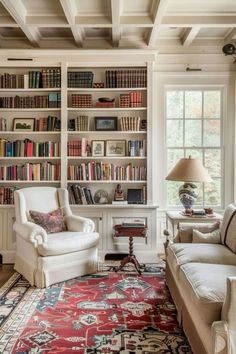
(80,195)
(52,100)
(130,123)
(77,147)
(49,123)
(80,79)
(82,101)
(12,81)
(3,124)
(7,195)
(133,99)
(125,78)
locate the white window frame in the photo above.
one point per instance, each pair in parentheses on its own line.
(224,80)
(201,88)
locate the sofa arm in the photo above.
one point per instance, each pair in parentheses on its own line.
(229,313)
(31,232)
(185,231)
(219,335)
(78,223)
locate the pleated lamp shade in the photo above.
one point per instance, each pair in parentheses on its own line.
(189,170)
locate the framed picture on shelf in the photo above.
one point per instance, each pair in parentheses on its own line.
(23,124)
(98,148)
(105,123)
(116,148)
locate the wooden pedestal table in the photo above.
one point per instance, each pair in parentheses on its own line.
(130,231)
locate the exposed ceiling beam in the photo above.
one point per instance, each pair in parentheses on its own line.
(159,13)
(46,21)
(200,21)
(18,11)
(70,11)
(230,36)
(115,14)
(190,35)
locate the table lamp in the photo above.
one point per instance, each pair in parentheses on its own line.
(189,170)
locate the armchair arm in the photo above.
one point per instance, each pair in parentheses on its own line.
(79,223)
(31,232)
(185,230)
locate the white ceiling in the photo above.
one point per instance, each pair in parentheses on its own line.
(116,23)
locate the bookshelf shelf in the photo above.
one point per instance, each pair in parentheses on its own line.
(107,89)
(12,182)
(94,109)
(56,89)
(43,133)
(107,182)
(114,132)
(107,158)
(29,158)
(30,109)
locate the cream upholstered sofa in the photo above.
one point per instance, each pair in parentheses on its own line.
(202,281)
(44,259)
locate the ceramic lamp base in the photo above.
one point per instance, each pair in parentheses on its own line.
(188,193)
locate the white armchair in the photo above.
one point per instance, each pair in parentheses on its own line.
(44,259)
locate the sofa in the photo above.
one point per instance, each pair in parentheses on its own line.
(201,276)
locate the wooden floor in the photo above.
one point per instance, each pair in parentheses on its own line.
(6,271)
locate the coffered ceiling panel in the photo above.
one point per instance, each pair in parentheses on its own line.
(117,23)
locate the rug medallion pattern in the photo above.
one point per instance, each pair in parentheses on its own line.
(100,313)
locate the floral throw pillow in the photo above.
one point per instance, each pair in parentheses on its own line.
(51,222)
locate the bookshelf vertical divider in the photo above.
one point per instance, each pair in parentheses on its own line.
(64,120)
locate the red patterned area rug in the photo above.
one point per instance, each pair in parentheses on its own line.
(106,312)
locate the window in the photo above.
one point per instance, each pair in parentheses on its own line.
(194,127)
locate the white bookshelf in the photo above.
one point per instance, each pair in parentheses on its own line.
(104,216)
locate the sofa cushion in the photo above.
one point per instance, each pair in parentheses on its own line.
(51,222)
(67,242)
(182,253)
(228,228)
(205,284)
(185,230)
(210,237)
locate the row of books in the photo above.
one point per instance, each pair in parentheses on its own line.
(80,79)
(126,78)
(132,99)
(29,148)
(7,195)
(136,148)
(44,171)
(11,81)
(101,171)
(45,78)
(80,123)
(52,100)
(81,101)
(49,123)
(77,147)
(80,195)
(130,123)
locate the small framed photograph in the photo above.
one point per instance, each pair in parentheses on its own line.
(105,123)
(98,148)
(23,124)
(116,148)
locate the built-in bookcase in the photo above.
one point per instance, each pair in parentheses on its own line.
(123,157)
(124,125)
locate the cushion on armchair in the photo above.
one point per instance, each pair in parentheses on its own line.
(51,222)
